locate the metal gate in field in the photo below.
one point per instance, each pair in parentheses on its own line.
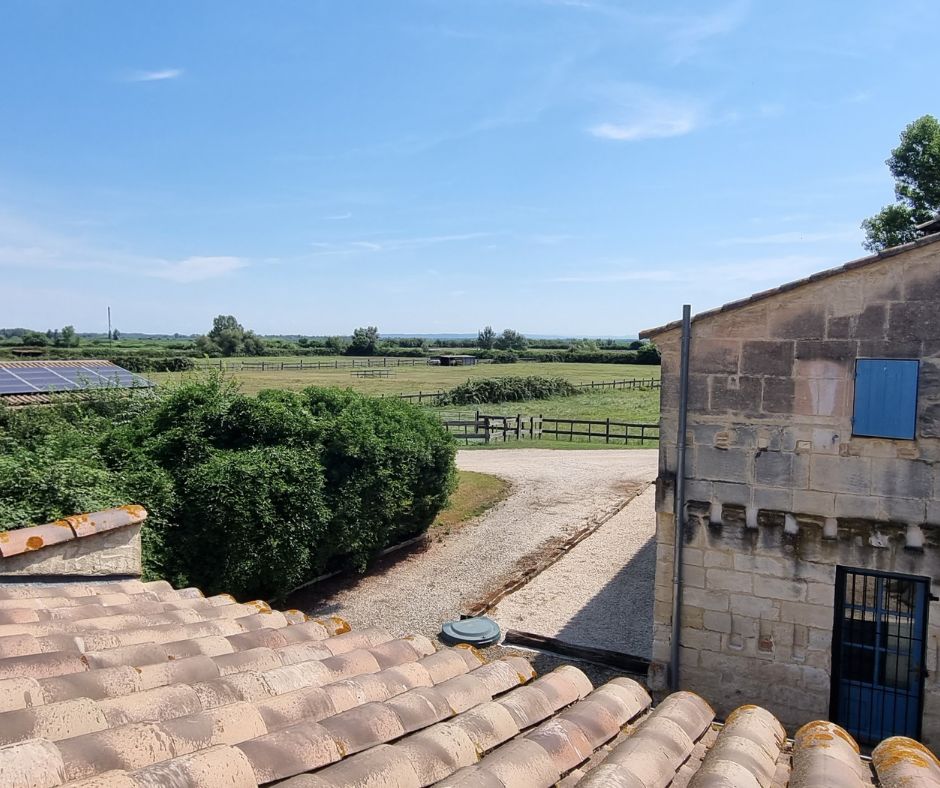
(879,642)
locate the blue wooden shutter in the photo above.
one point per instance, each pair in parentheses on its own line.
(885,398)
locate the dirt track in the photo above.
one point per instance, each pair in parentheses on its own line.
(555,493)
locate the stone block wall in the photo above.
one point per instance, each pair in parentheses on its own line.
(98,544)
(781,491)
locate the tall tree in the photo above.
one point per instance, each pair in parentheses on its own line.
(511,340)
(68,337)
(915,165)
(486,337)
(228,337)
(364,341)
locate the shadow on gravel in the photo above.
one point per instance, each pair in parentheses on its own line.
(620,616)
(317,599)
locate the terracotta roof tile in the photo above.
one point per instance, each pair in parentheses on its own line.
(136,684)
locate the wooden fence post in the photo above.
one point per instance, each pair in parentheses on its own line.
(607,432)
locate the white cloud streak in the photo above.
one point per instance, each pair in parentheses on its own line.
(198,269)
(392,244)
(156,76)
(794,237)
(27,245)
(642,113)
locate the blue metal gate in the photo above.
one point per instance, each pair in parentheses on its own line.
(878,647)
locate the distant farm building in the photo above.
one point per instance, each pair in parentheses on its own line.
(457,361)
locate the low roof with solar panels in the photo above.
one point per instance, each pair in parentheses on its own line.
(39,382)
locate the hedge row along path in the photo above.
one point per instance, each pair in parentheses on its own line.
(554,495)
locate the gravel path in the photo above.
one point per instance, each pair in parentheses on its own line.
(554,494)
(601,593)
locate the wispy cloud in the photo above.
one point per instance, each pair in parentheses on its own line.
(391,244)
(793,237)
(681,35)
(659,275)
(338,217)
(776,269)
(198,269)
(643,113)
(689,34)
(24,244)
(155,76)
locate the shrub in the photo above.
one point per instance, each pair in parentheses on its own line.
(251,520)
(250,495)
(509,389)
(139,363)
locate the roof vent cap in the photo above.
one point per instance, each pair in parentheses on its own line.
(476,630)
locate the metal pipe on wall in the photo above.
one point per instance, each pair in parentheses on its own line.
(679,506)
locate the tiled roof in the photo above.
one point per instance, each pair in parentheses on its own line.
(652,333)
(35,537)
(124,683)
(136,684)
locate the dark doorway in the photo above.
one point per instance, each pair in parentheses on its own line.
(879,641)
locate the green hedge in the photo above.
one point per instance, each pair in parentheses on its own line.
(250,495)
(155,363)
(509,389)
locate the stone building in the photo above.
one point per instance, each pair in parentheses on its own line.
(810,560)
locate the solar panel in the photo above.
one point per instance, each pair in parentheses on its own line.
(10,384)
(38,379)
(44,379)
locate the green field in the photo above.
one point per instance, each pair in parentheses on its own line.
(410,380)
(638,407)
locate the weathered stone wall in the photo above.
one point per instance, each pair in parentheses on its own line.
(788,491)
(108,554)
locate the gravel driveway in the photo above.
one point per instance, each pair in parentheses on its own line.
(601,593)
(554,494)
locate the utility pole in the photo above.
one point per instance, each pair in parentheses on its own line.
(109,329)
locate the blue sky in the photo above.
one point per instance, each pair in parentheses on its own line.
(576,167)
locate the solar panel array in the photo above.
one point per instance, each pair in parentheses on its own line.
(44,379)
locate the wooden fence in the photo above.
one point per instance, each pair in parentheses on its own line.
(633,383)
(480,427)
(313,363)
(434,397)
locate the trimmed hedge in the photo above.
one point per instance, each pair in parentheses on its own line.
(250,495)
(140,363)
(509,389)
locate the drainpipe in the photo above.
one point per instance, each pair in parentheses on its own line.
(679,506)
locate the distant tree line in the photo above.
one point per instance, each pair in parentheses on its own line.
(229,338)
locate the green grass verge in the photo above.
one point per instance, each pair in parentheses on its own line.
(475,493)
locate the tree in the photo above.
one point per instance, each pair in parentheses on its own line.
(364,341)
(510,340)
(486,338)
(336,345)
(115,334)
(915,165)
(33,339)
(228,337)
(67,337)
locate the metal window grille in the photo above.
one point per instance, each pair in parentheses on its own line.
(879,644)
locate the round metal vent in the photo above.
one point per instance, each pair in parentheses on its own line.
(477,631)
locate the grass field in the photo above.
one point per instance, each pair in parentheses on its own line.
(475,493)
(409,380)
(639,407)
